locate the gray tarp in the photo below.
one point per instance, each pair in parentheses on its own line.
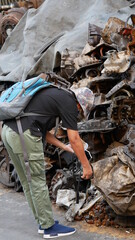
(66,20)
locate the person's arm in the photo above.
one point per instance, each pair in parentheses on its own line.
(77,145)
(50,138)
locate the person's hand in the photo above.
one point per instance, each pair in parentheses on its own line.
(87,172)
(68,148)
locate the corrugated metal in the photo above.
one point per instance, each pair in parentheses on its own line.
(7,2)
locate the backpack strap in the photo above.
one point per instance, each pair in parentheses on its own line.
(25,154)
(56,126)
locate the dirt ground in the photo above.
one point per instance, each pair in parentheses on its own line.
(119,232)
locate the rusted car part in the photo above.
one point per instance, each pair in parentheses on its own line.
(113,26)
(34,3)
(5,173)
(10,20)
(94,34)
(128,33)
(97,142)
(125,37)
(96,125)
(62,179)
(117,62)
(117,111)
(93,196)
(86,72)
(119,41)
(11,13)
(129,141)
(98,130)
(8,175)
(88,61)
(100,50)
(101,214)
(122,108)
(6,167)
(67,67)
(9,4)
(16,181)
(101,85)
(83,61)
(6,2)
(70,176)
(75,67)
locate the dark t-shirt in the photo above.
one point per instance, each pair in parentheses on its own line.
(52,102)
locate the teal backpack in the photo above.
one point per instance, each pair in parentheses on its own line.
(14,100)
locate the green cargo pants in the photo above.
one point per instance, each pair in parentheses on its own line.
(36,192)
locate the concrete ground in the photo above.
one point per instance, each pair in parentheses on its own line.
(17,222)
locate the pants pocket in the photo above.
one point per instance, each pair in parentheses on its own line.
(37,164)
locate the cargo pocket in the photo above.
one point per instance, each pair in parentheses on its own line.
(34,144)
(37,164)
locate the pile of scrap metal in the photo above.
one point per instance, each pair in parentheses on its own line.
(106,66)
(11,11)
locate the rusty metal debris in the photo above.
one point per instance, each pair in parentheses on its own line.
(11,11)
(117,62)
(67,62)
(6,167)
(90,204)
(101,214)
(114,90)
(113,26)
(8,4)
(10,20)
(34,3)
(94,34)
